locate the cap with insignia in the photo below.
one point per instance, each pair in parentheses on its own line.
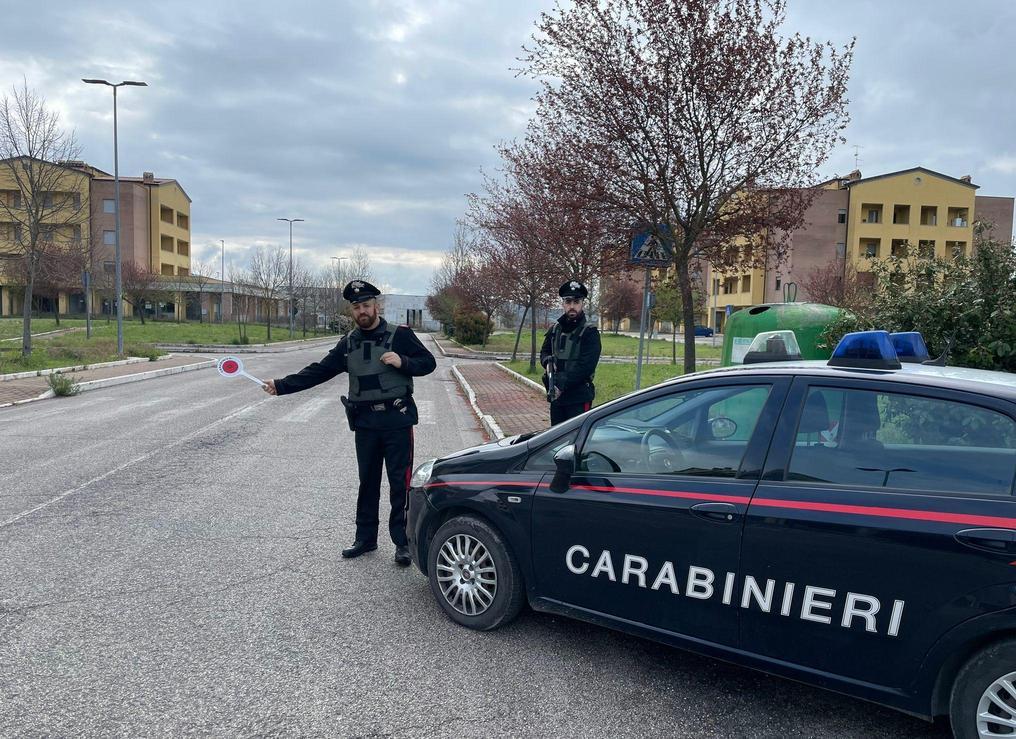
(573,289)
(359,290)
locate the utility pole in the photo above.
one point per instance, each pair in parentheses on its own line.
(222,284)
(292,317)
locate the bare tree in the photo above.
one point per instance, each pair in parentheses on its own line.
(141,285)
(835,284)
(269,274)
(304,291)
(201,277)
(698,119)
(485,288)
(43,203)
(620,298)
(239,284)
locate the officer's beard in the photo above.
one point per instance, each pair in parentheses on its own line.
(366,320)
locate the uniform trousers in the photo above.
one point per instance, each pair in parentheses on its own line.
(394,449)
(561,412)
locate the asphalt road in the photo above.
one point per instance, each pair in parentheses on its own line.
(169,566)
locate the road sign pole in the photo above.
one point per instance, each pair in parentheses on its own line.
(642,330)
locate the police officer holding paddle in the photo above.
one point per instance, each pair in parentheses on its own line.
(382,361)
(570,352)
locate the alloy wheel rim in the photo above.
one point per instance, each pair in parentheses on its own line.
(466,574)
(996,711)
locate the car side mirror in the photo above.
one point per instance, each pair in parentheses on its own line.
(564,460)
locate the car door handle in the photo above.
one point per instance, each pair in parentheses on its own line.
(718,512)
(996,541)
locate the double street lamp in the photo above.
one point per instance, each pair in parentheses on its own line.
(292,317)
(116,208)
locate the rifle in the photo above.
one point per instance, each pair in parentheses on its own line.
(551,369)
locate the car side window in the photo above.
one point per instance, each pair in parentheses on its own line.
(893,440)
(702,432)
(542,460)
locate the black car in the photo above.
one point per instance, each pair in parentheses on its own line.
(851,526)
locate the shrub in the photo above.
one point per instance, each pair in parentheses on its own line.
(62,385)
(143,350)
(472,327)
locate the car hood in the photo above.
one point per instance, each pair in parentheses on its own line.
(494,457)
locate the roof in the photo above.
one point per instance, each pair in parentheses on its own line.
(851,183)
(152,181)
(985,382)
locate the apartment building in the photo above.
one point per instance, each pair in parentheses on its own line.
(154,230)
(856,219)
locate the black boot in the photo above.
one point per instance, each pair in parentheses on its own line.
(402,556)
(358,548)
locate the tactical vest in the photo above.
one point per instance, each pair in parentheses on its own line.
(568,350)
(363,359)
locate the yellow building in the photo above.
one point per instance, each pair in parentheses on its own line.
(854,220)
(154,234)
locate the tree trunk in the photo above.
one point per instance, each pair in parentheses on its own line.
(88,304)
(268,318)
(673,342)
(56,308)
(518,334)
(688,314)
(26,331)
(532,336)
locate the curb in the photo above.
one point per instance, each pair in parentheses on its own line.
(522,378)
(487,421)
(44,396)
(247,348)
(139,376)
(75,368)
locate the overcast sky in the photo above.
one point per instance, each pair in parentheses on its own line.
(372,119)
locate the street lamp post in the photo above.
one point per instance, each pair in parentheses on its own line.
(222,284)
(116,207)
(291,221)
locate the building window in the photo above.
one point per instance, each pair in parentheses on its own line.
(956,249)
(166,243)
(898,248)
(746,284)
(166,214)
(777,283)
(108,267)
(109,238)
(17,199)
(182,248)
(929,215)
(77,199)
(841,250)
(182,221)
(926,249)
(182,271)
(901,214)
(167,270)
(108,205)
(841,216)
(870,248)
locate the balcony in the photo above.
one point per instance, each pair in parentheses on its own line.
(183,248)
(183,221)
(956,249)
(926,249)
(166,215)
(870,248)
(871,212)
(166,243)
(899,248)
(958,217)
(929,215)
(901,214)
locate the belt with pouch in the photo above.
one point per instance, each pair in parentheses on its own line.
(379,406)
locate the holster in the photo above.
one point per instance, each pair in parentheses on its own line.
(350,412)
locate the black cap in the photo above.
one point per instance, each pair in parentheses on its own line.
(573,289)
(359,290)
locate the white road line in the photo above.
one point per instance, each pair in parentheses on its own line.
(303,413)
(130,463)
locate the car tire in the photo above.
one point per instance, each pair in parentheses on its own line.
(473,574)
(985,684)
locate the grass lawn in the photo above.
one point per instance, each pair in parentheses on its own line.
(612,380)
(73,348)
(615,345)
(155,332)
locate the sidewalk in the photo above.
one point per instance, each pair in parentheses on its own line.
(13,391)
(516,408)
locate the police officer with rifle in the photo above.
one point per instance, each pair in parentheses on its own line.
(570,352)
(382,361)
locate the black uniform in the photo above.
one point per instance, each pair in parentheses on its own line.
(575,347)
(382,424)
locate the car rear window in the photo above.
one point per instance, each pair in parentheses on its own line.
(894,440)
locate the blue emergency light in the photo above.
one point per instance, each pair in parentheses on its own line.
(866,350)
(910,346)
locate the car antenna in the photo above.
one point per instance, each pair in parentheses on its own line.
(941,359)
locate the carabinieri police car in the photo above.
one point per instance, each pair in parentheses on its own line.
(849,524)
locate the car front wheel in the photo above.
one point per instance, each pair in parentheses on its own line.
(983,702)
(474,575)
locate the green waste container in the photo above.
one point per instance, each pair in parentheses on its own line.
(807,320)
